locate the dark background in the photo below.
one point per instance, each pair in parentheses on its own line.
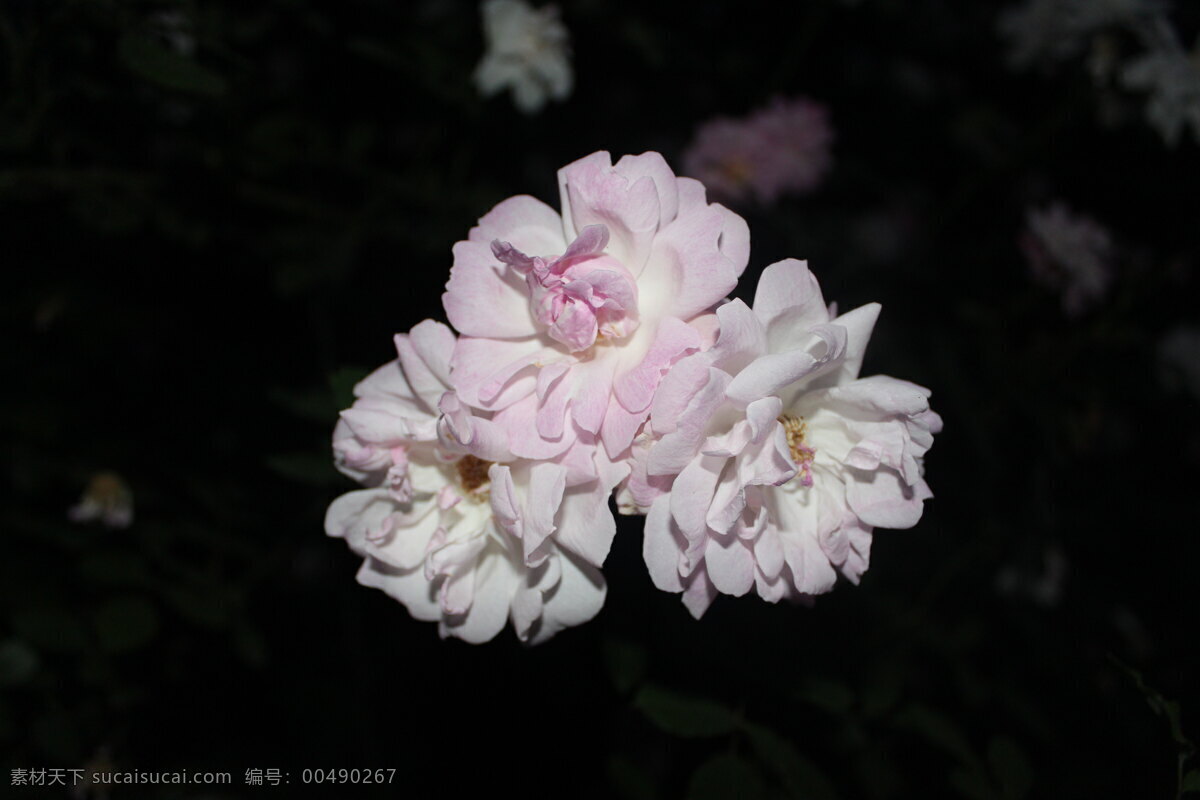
(204,250)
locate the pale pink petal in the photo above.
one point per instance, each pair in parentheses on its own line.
(674,339)
(662,547)
(699,593)
(387,382)
(677,448)
(692,495)
(405,547)
(591,387)
(459,430)
(585,523)
(527,608)
(479,363)
(576,598)
(859,557)
(494,589)
(881,499)
(519,423)
(655,167)
(734,238)
(771,373)
(741,340)
(811,570)
(620,428)
(425,355)
(484,297)
(526,223)
(768,553)
(506,505)
(676,391)
(542,500)
(407,586)
(730,565)
(377,426)
(788,301)
(354,514)
(595,194)
(859,324)
(689,271)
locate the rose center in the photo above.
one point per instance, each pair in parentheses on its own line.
(582,295)
(473,475)
(802,453)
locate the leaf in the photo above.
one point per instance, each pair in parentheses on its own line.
(681,715)
(50,628)
(315,404)
(306,468)
(798,774)
(832,696)
(126,623)
(1011,767)
(1191,782)
(115,569)
(937,729)
(626,664)
(726,776)
(972,782)
(1168,709)
(628,779)
(159,64)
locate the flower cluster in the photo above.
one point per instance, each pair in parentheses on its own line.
(597,353)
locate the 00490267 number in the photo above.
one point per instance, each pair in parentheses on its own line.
(348,775)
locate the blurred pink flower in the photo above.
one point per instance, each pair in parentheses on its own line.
(783,148)
(767,461)
(1069,253)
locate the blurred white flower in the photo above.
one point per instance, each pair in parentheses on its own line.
(107,498)
(1171,77)
(1044,586)
(527,51)
(1069,253)
(1052,30)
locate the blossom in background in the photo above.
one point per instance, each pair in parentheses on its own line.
(767,462)
(108,499)
(780,149)
(469,539)
(569,322)
(1043,586)
(527,52)
(1170,76)
(1054,30)
(1069,253)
